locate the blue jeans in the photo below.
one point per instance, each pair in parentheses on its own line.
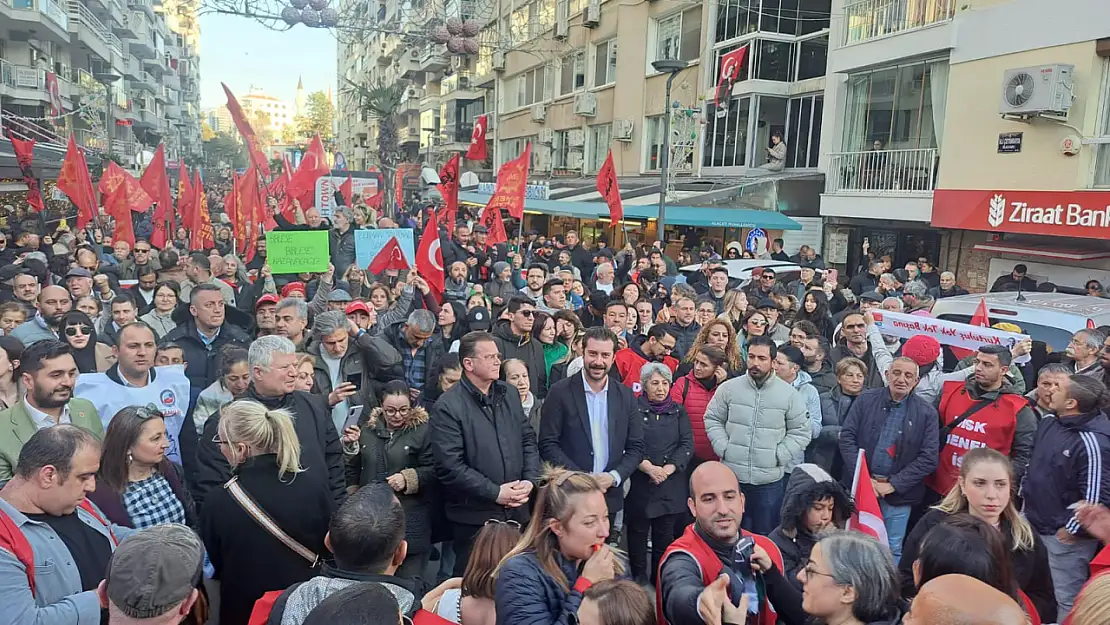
(762,506)
(896,518)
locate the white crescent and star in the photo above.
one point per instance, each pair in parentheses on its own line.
(434,254)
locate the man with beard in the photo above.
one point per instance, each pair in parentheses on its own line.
(608,440)
(684,328)
(142,262)
(513,337)
(25,288)
(460,249)
(864,341)
(199,271)
(751,415)
(700,580)
(48,372)
(657,347)
(536,277)
(52,303)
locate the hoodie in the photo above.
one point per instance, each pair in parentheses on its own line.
(808,483)
(294,605)
(824,379)
(813,403)
(523,348)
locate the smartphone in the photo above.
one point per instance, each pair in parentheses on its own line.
(355,379)
(352,417)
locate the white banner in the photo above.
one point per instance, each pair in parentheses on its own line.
(951,333)
(326,186)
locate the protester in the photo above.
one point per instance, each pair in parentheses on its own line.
(164,301)
(824,450)
(716,333)
(960,599)
(235,378)
(79,333)
(513,338)
(417,345)
(693,391)
(814,504)
(616,602)
(204,333)
(473,603)
(154,577)
(11,354)
(53,303)
(515,373)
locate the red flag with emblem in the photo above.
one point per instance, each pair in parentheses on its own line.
(314,164)
(477,149)
(868,517)
(156,183)
(491,219)
(347,190)
(249,210)
(429,259)
(74,180)
(254,150)
(608,188)
(201,229)
(24,156)
(980,319)
(449,188)
(391,257)
(512,183)
(123,195)
(730,71)
(185,196)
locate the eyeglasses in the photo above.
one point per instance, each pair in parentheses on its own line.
(527,313)
(811,569)
(75,330)
(149,411)
(396,411)
(757,322)
(510,523)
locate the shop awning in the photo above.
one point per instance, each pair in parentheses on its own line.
(1041,251)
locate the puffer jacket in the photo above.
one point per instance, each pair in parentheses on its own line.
(684,337)
(824,379)
(209,403)
(758,430)
(813,402)
(526,593)
(823,451)
(808,484)
(523,348)
(694,397)
(381,452)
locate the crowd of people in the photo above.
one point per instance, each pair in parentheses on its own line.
(561,433)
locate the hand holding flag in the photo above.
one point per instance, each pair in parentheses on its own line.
(868,517)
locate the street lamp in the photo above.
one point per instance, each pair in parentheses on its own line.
(107,79)
(671,67)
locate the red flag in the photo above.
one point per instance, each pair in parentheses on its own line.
(246,208)
(730,71)
(868,517)
(980,319)
(255,209)
(278,190)
(54,95)
(429,259)
(156,183)
(608,188)
(391,257)
(512,182)
(201,228)
(75,182)
(258,159)
(491,219)
(185,197)
(375,201)
(232,206)
(24,156)
(123,194)
(314,164)
(477,149)
(449,188)
(347,191)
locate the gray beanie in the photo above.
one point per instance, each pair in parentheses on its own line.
(499,266)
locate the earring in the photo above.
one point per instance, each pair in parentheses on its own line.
(129,458)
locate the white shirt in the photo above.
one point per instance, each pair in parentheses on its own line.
(43,420)
(597,405)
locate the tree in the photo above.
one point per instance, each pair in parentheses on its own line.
(225,149)
(206,132)
(289,134)
(381,102)
(260,123)
(318,117)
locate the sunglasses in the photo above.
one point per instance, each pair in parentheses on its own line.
(510,523)
(527,313)
(757,322)
(75,330)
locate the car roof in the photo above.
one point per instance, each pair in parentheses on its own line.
(1061,310)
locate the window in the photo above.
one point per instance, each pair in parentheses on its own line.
(736,18)
(560,149)
(653,142)
(727,135)
(803,134)
(572,73)
(605,63)
(532,87)
(600,136)
(512,148)
(902,107)
(679,36)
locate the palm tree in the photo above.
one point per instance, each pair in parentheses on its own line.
(381,102)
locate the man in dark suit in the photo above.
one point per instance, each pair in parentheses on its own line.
(587,425)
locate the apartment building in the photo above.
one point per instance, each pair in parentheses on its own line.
(968,144)
(140,56)
(279,113)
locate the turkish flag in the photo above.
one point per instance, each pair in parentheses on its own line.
(491,219)
(75,182)
(449,188)
(429,259)
(608,188)
(346,191)
(391,257)
(730,71)
(868,517)
(512,182)
(123,195)
(477,150)
(980,319)
(375,201)
(156,183)
(24,156)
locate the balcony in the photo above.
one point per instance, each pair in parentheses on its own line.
(171,80)
(163,95)
(146,6)
(47,12)
(22,81)
(132,70)
(460,87)
(872,19)
(156,65)
(410,101)
(145,82)
(433,58)
(123,24)
(882,172)
(430,101)
(149,119)
(89,30)
(173,112)
(90,140)
(408,136)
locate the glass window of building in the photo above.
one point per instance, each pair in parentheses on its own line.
(726,142)
(605,63)
(901,107)
(572,73)
(678,36)
(600,136)
(653,142)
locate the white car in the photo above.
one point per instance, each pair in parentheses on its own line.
(740,270)
(1048,317)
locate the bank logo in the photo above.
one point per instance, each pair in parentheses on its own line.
(997,213)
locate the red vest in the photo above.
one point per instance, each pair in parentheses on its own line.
(692,545)
(629,362)
(993,426)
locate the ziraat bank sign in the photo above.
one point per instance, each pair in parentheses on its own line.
(1083,214)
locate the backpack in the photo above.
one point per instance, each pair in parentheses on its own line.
(13,541)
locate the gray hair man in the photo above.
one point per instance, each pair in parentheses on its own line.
(291,320)
(342,239)
(1083,352)
(947,287)
(419,346)
(273,365)
(915,295)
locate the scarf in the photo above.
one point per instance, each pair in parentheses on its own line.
(709,383)
(659,407)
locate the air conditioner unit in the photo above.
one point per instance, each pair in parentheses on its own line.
(498,61)
(539,112)
(574,161)
(415,53)
(585,104)
(622,130)
(576,138)
(562,19)
(547,135)
(592,16)
(1036,90)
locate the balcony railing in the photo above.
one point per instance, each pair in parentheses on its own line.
(21,76)
(882,172)
(871,19)
(82,15)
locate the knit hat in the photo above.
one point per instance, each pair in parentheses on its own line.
(499,266)
(922,349)
(154,570)
(291,287)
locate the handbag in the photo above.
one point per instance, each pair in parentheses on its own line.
(251,507)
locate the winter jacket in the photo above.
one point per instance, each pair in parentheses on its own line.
(931,384)
(863,283)
(505,290)
(370,359)
(209,403)
(915,453)
(128,270)
(292,606)
(824,379)
(1069,454)
(824,451)
(812,398)
(250,561)
(757,430)
(398,312)
(527,594)
(630,360)
(377,362)
(694,397)
(877,358)
(342,250)
(479,442)
(939,293)
(202,360)
(684,337)
(161,324)
(808,484)
(523,348)
(668,439)
(32,331)
(381,452)
(1031,570)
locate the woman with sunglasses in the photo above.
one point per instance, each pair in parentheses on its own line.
(754,324)
(78,332)
(165,300)
(473,602)
(392,446)
(137,485)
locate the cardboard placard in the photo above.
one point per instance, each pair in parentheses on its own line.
(298,251)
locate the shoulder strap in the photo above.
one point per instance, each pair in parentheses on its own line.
(946,430)
(685,391)
(87,506)
(251,507)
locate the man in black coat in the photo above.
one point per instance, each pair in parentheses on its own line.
(274,375)
(205,332)
(485,451)
(460,249)
(587,421)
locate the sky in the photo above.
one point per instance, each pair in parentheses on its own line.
(242,52)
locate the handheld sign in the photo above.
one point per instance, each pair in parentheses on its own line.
(369,243)
(945,332)
(297,251)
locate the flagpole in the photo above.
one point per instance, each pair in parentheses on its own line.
(855,482)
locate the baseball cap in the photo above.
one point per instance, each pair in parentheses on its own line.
(154,570)
(291,287)
(78,272)
(10,271)
(355,307)
(478,319)
(339,295)
(268,298)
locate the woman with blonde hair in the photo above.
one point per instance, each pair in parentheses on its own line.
(717,333)
(561,555)
(1092,605)
(264,530)
(984,491)
(736,306)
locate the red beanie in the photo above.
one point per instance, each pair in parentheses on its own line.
(922,349)
(291,287)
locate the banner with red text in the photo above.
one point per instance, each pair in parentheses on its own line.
(945,332)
